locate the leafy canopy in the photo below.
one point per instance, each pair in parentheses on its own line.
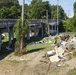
(19,31)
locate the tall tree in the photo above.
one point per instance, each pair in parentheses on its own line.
(37,9)
(26,11)
(15,12)
(70,24)
(9,3)
(9,9)
(20,36)
(61,13)
(74,6)
(4,12)
(21,30)
(35,1)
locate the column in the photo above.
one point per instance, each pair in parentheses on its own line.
(42,31)
(52,27)
(11,37)
(55,28)
(35,31)
(10,40)
(12,34)
(28,34)
(0,40)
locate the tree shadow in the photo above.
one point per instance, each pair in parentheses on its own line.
(33,50)
(4,52)
(34,39)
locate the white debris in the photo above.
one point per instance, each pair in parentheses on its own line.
(51,52)
(59,52)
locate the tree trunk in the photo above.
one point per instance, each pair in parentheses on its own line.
(22,44)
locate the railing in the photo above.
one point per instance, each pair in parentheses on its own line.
(7,22)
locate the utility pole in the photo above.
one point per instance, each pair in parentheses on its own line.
(57,16)
(22,38)
(68,13)
(47,22)
(23,1)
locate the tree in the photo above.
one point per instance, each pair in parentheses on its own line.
(4,12)
(26,11)
(61,12)
(8,3)
(74,6)
(70,24)
(20,34)
(9,9)
(14,12)
(37,9)
(35,1)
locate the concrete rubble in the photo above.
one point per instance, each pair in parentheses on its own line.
(60,50)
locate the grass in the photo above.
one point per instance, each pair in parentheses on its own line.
(12,61)
(37,46)
(5,38)
(72,72)
(34,47)
(40,46)
(35,39)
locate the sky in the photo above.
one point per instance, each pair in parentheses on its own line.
(67,5)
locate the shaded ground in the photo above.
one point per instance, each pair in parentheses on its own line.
(34,63)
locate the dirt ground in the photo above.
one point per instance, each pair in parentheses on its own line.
(34,63)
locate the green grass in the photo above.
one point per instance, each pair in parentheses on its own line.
(12,61)
(40,46)
(5,38)
(32,39)
(37,46)
(35,39)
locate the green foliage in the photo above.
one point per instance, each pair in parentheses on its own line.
(8,3)
(4,11)
(61,12)
(35,1)
(26,11)
(14,12)
(70,24)
(19,31)
(9,9)
(38,9)
(74,7)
